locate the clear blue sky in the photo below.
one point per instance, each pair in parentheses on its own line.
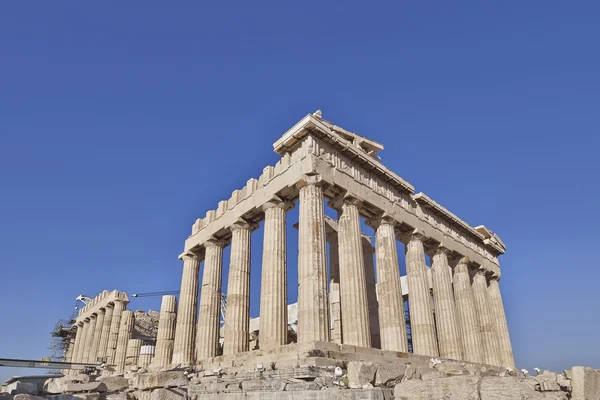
(120,124)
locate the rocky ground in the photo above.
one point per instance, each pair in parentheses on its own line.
(357,380)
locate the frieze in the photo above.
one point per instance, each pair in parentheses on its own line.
(453,229)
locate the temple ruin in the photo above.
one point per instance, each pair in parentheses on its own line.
(351,296)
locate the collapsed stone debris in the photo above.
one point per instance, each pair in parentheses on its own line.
(410,378)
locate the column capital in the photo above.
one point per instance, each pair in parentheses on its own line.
(243,224)
(213,241)
(345,198)
(115,301)
(441,249)
(489,275)
(279,202)
(189,255)
(414,235)
(461,261)
(464,260)
(381,219)
(309,180)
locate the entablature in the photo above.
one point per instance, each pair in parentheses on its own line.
(101,301)
(312,147)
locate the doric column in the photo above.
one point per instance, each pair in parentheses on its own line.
(353,285)
(70,350)
(97,336)
(207,343)
(237,324)
(486,324)
(185,333)
(368,251)
(81,358)
(75,357)
(419,299)
(115,326)
(392,324)
(273,289)
(89,339)
(133,352)
(79,339)
(81,348)
(448,331)
(166,332)
(105,334)
(505,354)
(69,355)
(335,305)
(313,301)
(467,313)
(125,329)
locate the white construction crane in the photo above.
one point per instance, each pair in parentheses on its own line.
(82,298)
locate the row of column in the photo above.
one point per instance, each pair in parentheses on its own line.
(97,336)
(468,323)
(463,320)
(106,335)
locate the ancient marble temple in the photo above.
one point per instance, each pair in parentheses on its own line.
(346,296)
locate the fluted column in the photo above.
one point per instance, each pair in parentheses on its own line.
(273,289)
(89,339)
(166,332)
(505,354)
(313,299)
(419,299)
(133,352)
(353,286)
(69,355)
(486,323)
(115,326)
(70,350)
(237,324)
(97,336)
(125,329)
(335,305)
(467,313)
(79,339)
(448,331)
(207,343)
(392,325)
(105,334)
(185,333)
(368,251)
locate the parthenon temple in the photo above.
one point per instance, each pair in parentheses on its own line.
(350,289)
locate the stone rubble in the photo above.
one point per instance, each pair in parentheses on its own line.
(402,380)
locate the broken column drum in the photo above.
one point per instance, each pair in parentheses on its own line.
(322,162)
(165,336)
(125,329)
